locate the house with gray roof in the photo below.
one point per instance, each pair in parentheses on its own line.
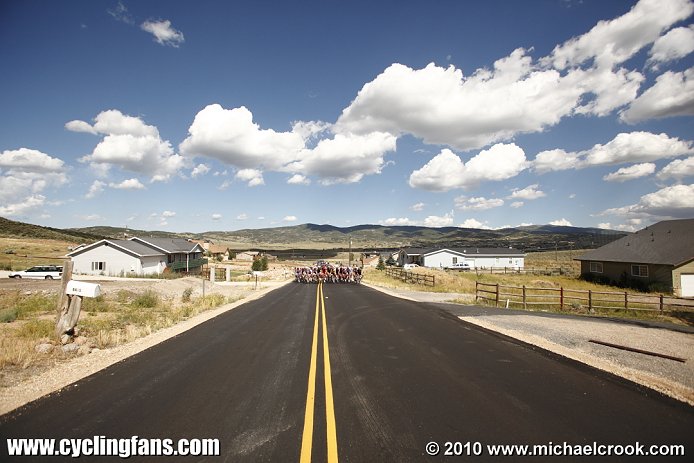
(660,256)
(138,256)
(475,257)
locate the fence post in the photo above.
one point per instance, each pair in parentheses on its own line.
(525,305)
(661,303)
(477,293)
(561,298)
(496,303)
(626,300)
(590,300)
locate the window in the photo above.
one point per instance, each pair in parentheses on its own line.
(596,267)
(639,271)
(99,266)
(455,260)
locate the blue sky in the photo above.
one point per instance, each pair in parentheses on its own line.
(222,115)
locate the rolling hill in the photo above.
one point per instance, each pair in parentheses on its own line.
(12,229)
(314,236)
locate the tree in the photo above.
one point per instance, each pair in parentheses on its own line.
(260,264)
(381,265)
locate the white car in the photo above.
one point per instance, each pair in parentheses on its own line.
(460,266)
(409,266)
(43,272)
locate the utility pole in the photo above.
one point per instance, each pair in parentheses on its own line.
(350,251)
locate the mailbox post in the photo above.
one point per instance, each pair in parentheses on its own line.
(72,305)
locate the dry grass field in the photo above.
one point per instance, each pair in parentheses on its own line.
(22,253)
(125,311)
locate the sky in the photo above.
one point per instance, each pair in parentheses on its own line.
(192,116)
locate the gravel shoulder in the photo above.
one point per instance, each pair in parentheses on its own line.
(570,336)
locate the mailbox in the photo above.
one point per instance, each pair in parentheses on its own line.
(80,288)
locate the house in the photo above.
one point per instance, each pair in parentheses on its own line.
(246,255)
(660,256)
(216,250)
(139,256)
(473,256)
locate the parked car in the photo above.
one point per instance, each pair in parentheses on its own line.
(462,266)
(43,272)
(409,266)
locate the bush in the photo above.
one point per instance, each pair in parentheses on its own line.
(260,265)
(146,300)
(381,265)
(8,315)
(36,329)
(186,295)
(96,304)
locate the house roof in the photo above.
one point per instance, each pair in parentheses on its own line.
(168,245)
(670,242)
(467,251)
(127,246)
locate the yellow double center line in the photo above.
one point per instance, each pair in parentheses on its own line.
(307,439)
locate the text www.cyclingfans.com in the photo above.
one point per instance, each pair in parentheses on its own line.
(124,448)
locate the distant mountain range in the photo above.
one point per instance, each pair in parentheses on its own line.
(312,236)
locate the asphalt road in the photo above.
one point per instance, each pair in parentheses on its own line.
(401,374)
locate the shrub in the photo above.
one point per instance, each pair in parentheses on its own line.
(8,315)
(96,304)
(186,295)
(36,329)
(146,300)
(260,264)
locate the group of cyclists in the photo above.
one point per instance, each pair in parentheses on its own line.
(324,272)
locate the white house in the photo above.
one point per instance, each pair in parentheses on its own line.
(139,256)
(473,256)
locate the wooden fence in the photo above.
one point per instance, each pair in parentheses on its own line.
(410,277)
(525,297)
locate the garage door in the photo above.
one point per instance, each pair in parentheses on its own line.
(687,285)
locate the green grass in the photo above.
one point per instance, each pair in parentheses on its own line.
(36,329)
(24,306)
(8,315)
(147,300)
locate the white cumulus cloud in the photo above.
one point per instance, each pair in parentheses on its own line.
(678,169)
(446,171)
(613,42)
(671,95)
(676,44)
(477,204)
(474,223)
(630,173)
(199,170)
(624,148)
(129,184)
(163,32)
(670,202)
(561,222)
(298,179)
(95,189)
(25,174)
(254,177)
(528,193)
(131,145)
